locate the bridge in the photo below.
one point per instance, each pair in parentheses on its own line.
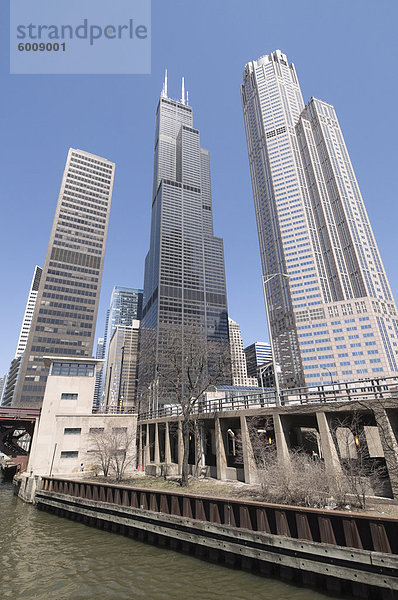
(16,431)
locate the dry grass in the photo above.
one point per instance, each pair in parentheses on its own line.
(220,489)
(202,487)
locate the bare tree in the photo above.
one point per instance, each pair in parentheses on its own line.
(304,482)
(101,448)
(190,365)
(122,455)
(363,475)
(114,449)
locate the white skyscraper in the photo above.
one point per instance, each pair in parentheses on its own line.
(28,314)
(238,358)
(332,313)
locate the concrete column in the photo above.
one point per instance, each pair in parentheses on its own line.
(389,444)
(221,459)
(199,450)
(282,448)
(139,458)
(157,449)
(147,451)
(249,464)
(180,447)
(329,451)
(167,449)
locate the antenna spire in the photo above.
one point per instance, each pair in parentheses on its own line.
(182,91)
(164,89)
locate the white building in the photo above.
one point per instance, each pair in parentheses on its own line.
(28,314)
(332,313)
(238,358)
(61,443)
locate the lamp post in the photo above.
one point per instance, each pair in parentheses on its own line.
(331,378)
(266,280)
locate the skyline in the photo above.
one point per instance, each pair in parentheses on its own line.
(39,117)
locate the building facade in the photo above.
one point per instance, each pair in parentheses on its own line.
(184,282)
(65,313)
(257,354)
(100,354)
(122,367)
(3,381)
(62,443)
(238,358)
(13,373)
(332,313)
(28,314)
(124,308)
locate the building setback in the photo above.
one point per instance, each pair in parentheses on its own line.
(332,313)
(122,370)
(65,314)
(184,282)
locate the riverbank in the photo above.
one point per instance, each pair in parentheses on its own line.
(345,553)
(230,489)
(45,557)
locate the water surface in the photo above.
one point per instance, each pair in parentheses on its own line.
(45,557)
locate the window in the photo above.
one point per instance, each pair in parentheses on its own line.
(119,430)
(69,454)
(72,431)
(95,430)
(68,396)
(72,369)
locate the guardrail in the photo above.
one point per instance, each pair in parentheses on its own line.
(369,389)
(353,530)
(115,410)
(19,413)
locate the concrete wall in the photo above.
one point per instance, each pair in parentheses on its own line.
(67,405)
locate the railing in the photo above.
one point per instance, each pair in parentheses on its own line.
(7,412)
(115,410)
(353,530)
(369,389)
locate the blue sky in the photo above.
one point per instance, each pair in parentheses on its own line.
(345,53)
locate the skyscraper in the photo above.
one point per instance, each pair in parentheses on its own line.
(184,269)
(67,300)
(100,354)
(122,369)
(125,307)
(332,313)
(29,310)
(257,354)
(13,373)
(238,358)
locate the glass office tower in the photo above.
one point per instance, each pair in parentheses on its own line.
(65,312)
(124,308)
(332,313)
(184,269)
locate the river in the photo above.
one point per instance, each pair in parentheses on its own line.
(44,557)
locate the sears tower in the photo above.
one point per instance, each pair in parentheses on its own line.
(184,282)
